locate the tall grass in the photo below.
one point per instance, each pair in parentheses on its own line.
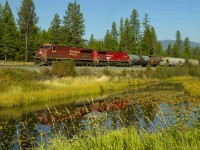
(130,139)
(61,88)
(192,88)
(13,63)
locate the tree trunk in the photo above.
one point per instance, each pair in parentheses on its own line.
(26,46)
(6,54)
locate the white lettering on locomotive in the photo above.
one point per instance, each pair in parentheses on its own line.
(74,53)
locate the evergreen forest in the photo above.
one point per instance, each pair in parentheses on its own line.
(21,36)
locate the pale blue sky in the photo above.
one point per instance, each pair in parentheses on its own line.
(167,16)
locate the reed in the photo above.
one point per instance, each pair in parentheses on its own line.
(14,63)
(131,139)
(192,88)
(180,79)
(62,88)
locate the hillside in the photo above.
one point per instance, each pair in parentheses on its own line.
(166,42)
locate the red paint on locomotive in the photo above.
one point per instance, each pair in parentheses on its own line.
(82,56)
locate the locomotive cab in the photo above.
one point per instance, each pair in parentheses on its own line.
(41,54)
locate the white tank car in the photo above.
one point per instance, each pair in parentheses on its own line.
(171,61)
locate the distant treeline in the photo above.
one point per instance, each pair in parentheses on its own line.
(19,38)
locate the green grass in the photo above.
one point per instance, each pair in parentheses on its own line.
(18,63)
(130,139)
(62,88)
(192,88)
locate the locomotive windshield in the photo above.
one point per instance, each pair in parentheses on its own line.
(46,46)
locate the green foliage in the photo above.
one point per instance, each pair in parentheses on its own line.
(63,68)
(46,72)
(114,35)
(55,30)
(194,70)
(159,49)
(186,49)
(9,33)
(85,72)
(122,35)
(95,44)
(130,139)
(124,72)
(107,72)
(127,36)
(163,72)
(1,28)
(27,25)
(169,50)
(177,49)
(135,25)
(195,53)
(111,39)
(10,78)
(146,44)
(42,37)
(74,28)
(108,41)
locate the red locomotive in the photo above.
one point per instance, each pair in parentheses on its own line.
(48,53)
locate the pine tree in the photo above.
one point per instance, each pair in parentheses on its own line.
(121,36)
(169,51)
(74,27)
(1,29)
(55,30)
(9,33)
(127,36)
(135,27)
(91,42)
(42,37)
(195,53)
(27,24)
(108,41)
(154,42)
(146,45)
(147,40)
(159,49)
(186,48)
(146,21)
(114,35)
(178,45)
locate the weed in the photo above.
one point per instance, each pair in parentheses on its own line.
(63,68)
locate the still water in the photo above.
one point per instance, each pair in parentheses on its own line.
(21,129)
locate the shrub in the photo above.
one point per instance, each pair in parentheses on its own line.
(63,68)
(11,78)
(107,72)
(85,72)
(46,72)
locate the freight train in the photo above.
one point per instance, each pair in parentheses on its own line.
(47,53)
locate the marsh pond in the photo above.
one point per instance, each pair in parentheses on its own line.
(149,108)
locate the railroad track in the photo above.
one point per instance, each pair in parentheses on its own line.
(78,67)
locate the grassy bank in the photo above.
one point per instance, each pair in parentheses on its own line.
(131,139)
(191,84)
(22,87)
(18,63)
(192,88)
(32,92)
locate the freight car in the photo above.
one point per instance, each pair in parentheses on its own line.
(171,61)
(194,62)
(155,60)
(135,59)
(48,53)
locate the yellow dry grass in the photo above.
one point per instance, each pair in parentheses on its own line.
(62,88)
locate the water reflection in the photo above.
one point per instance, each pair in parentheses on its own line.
(143,109)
